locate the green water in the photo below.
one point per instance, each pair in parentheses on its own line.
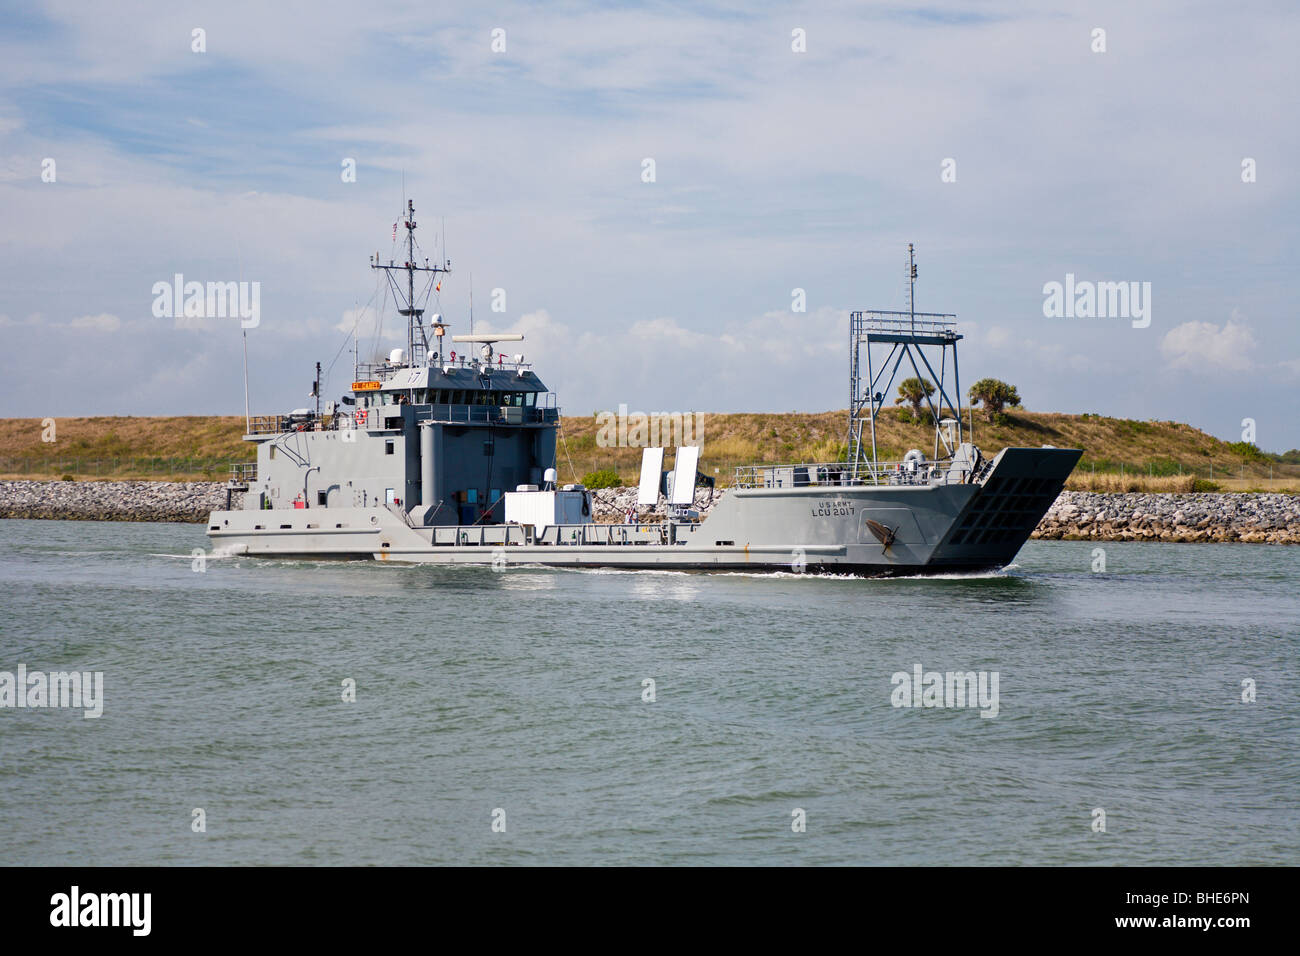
(522,691)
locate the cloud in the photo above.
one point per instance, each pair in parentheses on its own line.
(997,337)
(366,322)
(770,175)
(1201,345)
(104,322)
(663,359)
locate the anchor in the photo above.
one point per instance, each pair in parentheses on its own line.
(883,534)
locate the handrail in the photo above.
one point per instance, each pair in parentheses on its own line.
(468,414)
(388,374)
(810,474)
(876,321)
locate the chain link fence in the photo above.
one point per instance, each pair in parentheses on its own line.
(210,469)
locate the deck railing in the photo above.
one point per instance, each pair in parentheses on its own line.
(243,472)
(456,414)
(898,322)
(491,414)
(839,473)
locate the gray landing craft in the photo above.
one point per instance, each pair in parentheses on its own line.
(450,458)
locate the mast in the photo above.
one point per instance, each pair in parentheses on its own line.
(410,279)
(414,316)
(899,340)
(911,286)
(248,421)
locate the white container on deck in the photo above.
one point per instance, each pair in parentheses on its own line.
(544,508)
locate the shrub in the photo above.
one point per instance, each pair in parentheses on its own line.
(1204,484)
(605,478)
(1247,451)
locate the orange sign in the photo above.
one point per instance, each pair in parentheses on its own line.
(365,386)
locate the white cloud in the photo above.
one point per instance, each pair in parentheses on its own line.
(1204,345)
(997,337)
(771,175)
(368,327)
(104,322)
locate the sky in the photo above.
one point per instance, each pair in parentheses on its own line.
(794,147)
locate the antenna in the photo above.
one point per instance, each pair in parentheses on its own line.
(471,303)
(911,286)
(248,422)
(414,315)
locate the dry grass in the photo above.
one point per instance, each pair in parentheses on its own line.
(1171,447)
(111,447)
(729,440)
(1178,484)
(189,436)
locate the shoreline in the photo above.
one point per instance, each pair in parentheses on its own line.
(1255,518)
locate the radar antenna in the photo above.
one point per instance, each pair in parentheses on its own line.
(417,342)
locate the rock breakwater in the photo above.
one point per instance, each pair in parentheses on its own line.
(1075,515)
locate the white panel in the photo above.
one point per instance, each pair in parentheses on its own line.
(543,508)
(652,463)
(688,460)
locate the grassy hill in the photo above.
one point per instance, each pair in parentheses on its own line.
(1119,454)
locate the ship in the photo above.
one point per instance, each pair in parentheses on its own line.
(444,452)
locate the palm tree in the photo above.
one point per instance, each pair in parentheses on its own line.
(914,391)
(996,395)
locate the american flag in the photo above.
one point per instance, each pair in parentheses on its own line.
(394,232)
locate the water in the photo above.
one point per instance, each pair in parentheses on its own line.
(522,691)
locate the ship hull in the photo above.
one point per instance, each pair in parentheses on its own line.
(860,530)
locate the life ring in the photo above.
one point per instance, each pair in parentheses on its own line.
(361,416)
(453,356)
